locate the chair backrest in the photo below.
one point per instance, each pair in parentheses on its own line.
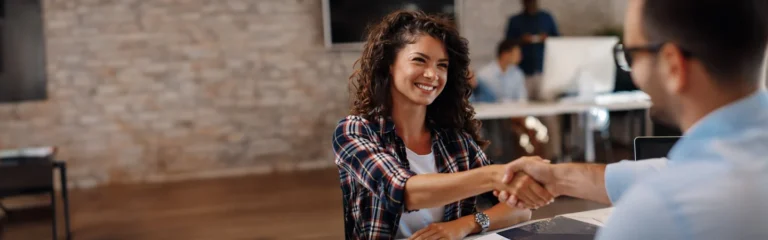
(24,174)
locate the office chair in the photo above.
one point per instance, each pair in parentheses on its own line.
(26,175)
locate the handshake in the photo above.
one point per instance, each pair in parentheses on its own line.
(527,182)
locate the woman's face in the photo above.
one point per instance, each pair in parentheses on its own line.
(419,72)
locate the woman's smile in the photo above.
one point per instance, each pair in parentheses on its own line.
(426,88)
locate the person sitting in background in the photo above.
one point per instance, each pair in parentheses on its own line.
(410,158)
(503,76)
(531,28)
(503,81)
(480,91)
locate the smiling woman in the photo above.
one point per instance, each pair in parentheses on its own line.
(410,157)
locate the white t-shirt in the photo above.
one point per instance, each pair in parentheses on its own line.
(412,222)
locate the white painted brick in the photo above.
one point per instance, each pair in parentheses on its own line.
(159,68)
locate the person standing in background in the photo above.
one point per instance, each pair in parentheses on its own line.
(531,28)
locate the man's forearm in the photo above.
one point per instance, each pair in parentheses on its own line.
(586,181)
(433,190)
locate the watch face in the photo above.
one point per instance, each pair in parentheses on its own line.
(483,220)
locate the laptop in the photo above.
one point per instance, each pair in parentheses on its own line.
(553,229)
(653,147)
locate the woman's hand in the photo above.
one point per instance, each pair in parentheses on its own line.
(530,186)
(523,190)
(526,193)
(457,229)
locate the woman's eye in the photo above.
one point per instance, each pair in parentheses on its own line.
(421,60)
(443,65)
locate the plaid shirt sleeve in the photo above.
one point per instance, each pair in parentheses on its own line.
(476,154)
(476,159)
(360,153)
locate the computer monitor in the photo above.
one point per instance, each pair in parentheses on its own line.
(653,147)
(570,61)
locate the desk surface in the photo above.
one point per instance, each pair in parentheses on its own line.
(610,102)
(597,217)
(484,111)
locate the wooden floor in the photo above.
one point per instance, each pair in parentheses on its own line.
(282,206)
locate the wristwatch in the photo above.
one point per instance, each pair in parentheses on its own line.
(482,220)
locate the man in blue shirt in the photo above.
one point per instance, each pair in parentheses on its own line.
(703,75)
(501,80)
(531,28)
(502,76)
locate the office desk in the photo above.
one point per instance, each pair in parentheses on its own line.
(490,111)
(596,217)
(622,101)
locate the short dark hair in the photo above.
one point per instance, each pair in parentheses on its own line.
(506,46)
(728,37)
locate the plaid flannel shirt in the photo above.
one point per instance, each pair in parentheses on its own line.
(373,169)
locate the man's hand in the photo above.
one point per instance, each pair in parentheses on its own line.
(527,38)
(456,229)
(525,190)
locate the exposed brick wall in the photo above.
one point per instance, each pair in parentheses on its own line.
(157,90)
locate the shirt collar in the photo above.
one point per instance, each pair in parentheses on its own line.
(730,119)
(386,124)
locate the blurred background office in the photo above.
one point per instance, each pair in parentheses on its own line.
(200,119)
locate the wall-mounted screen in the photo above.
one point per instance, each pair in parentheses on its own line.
(346,21)
(22,51)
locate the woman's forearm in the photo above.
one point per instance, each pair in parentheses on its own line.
(501,216)
(434,190)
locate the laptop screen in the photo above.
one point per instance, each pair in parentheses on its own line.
(653,147)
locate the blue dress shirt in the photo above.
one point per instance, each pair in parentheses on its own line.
(505,86)
(482,93)
(714,185)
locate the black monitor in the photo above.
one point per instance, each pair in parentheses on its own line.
(345,21)
(653,147)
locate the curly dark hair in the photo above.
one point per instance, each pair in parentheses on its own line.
(371,81)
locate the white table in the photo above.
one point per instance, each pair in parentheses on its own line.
(610,102)
(624,101)
(489,111)
(597,217)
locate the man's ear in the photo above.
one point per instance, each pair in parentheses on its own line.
(673,68)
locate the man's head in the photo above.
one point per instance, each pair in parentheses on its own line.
(508,52)
(691,55)
(530,6)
